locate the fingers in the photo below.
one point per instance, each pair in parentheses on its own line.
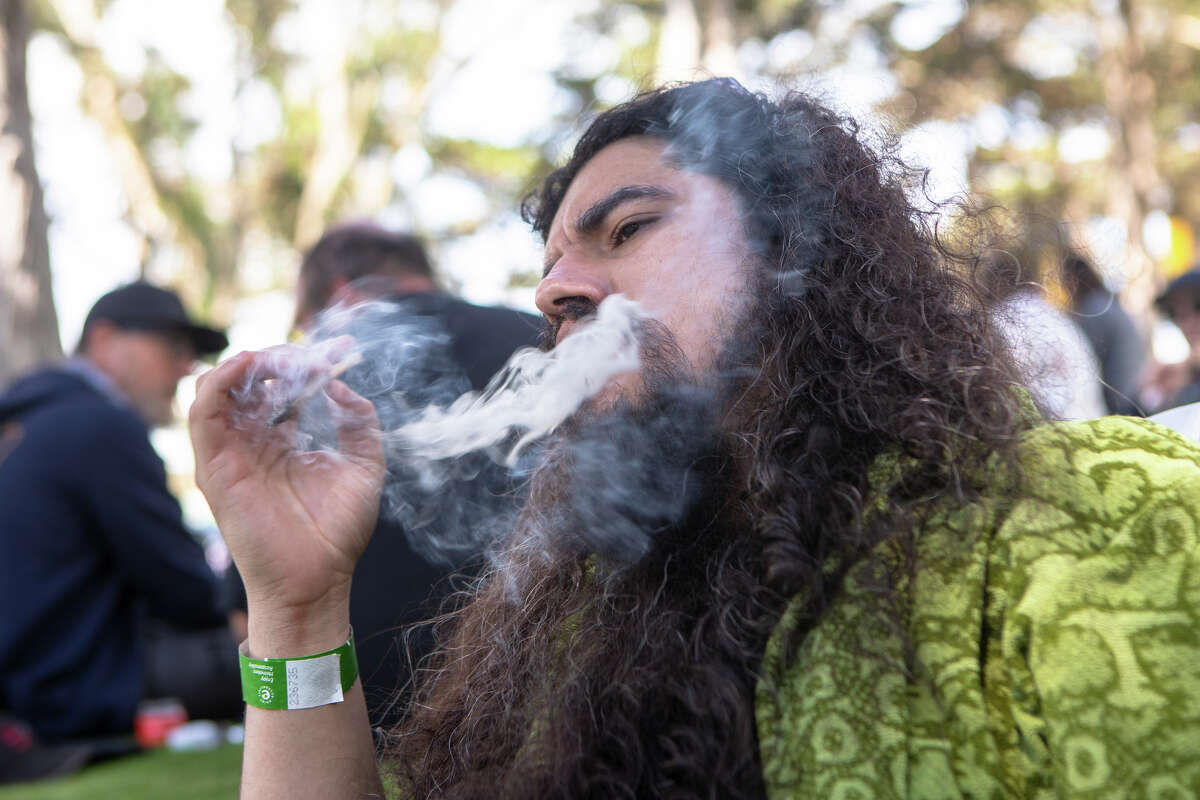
(238,402)
(207,417)
(339,347)
(231,396)
(213,387)
(357,425)
(261,383)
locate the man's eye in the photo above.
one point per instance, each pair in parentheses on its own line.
(627,230)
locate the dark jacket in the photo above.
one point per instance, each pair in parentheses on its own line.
(91,542)
(1118,346)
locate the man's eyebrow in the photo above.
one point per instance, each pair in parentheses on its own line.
(589,221)
(594,217)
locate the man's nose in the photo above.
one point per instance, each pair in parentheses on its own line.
(571,279)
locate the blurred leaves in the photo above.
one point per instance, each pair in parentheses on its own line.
(1073,110)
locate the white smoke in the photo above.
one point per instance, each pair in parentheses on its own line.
(534,393)
(453,454)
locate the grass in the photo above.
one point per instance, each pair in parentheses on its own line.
(156,775)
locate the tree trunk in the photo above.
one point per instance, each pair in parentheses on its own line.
(202,269)
(679,42)
(343,112)
(28,322)
(720,40)
(1137,186)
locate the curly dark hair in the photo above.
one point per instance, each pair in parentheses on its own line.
(868,338)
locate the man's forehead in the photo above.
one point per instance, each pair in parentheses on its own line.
(628,169)
(637,159)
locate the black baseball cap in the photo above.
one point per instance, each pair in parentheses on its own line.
(143,306)
(1188,280)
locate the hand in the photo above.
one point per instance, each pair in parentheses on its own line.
(295,522)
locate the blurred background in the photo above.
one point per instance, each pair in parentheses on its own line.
(204,143)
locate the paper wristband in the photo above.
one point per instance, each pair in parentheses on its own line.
(302,682)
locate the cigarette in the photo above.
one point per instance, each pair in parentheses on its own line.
(314,386)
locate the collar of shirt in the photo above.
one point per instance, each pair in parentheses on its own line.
(97,379)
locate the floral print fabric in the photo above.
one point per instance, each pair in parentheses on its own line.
(1056,641)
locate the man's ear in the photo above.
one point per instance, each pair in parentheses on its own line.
(305,313)
(346,292)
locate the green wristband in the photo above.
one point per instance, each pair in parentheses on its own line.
(302,682)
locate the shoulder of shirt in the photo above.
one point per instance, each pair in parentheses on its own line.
(1075,446)
(1108,485)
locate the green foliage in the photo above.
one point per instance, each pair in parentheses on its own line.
(524,280)
(402,50)
(284,166)
(502,166)
(160,89)
(775,15)
(971,69)
(41,16)
(256,20)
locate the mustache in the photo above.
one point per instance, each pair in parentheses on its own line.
(570,309)
(663,360)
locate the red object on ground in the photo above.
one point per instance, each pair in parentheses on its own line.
(24,758)
(155,719)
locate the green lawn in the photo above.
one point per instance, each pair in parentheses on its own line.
(157,775)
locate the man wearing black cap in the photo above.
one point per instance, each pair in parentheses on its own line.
(107,599)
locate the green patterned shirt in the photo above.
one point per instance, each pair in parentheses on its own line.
(1057,641)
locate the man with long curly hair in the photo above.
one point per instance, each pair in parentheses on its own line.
(881,572)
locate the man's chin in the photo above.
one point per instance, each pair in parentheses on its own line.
(159,417)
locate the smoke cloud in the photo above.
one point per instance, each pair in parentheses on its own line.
(457,459)
(533,394)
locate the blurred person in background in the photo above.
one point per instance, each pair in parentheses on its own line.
(887,575)
(1114,338)
(1054,356)
(107,598)
(398,583)
(1178,384)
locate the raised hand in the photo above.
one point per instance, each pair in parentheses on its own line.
(296,522)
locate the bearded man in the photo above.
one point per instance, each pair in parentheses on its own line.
(850,560)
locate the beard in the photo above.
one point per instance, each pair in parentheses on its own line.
(629,465)
(620,621)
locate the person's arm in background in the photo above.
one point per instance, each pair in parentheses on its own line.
(124,486)
(296,524)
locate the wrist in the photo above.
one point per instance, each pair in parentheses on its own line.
(286,632)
